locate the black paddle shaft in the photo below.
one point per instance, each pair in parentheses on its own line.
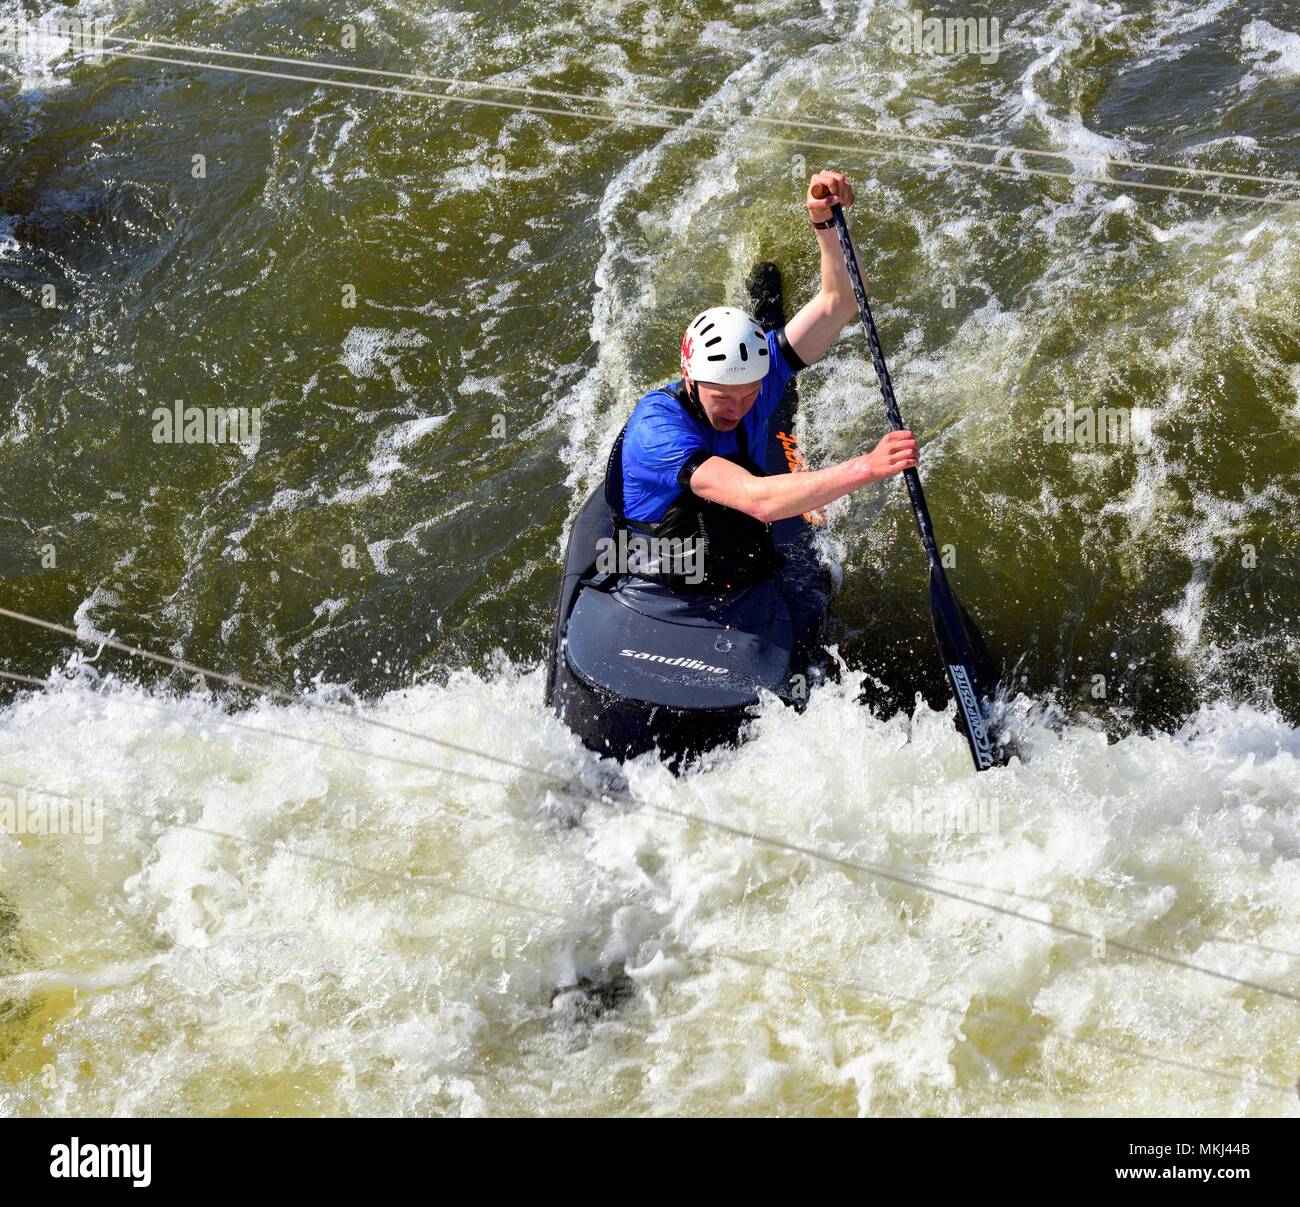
(971,682)
(910,476)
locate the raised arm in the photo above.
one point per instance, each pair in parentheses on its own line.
(810,332)
(814,327)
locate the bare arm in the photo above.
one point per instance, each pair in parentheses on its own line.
(815,325)
(810,332)
(779,496)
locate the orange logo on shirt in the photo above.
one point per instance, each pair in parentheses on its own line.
(794,459)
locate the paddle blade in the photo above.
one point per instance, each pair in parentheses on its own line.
(973,685)
(990,671)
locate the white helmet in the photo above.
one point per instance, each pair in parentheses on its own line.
(724,346)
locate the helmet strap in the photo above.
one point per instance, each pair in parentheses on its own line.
(693,399)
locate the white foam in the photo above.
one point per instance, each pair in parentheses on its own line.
(1273,54)
(1165,39)
(367,351)
(323,987)
(1067,31)
(8,240)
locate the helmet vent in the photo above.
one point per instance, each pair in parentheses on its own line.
(744,352)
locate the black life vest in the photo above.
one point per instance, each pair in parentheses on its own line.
(699,547)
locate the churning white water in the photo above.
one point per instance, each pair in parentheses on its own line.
(208,907)
(289,966)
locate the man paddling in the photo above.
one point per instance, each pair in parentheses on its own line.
(691,473)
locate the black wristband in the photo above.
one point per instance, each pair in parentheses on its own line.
(821,226)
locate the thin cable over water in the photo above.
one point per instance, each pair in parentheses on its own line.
(966,1017)
(580,794)
(623,119)
(397,760)
(1113,914)
(275,693)
(685,816)
(916,877)
(403,878)
(512,905)
(726,115)
(867,869)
